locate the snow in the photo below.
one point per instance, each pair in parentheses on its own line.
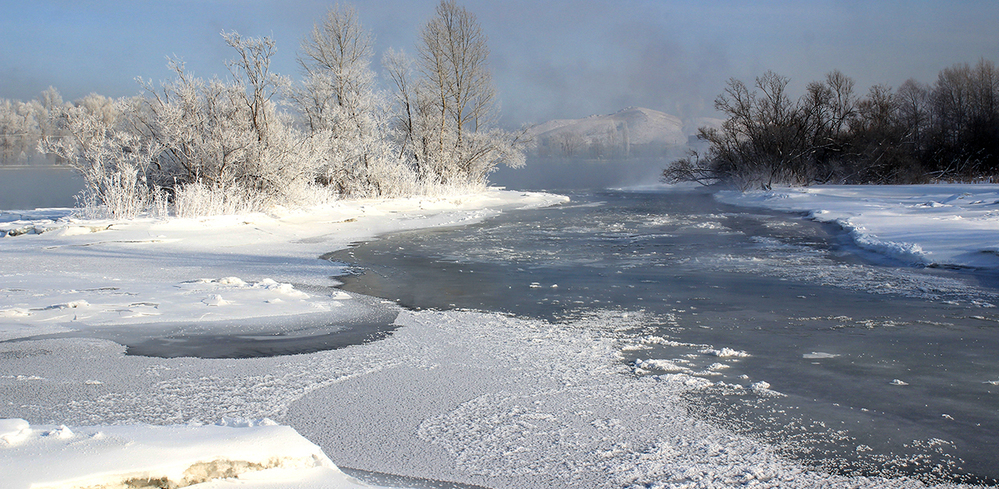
(59,274)
(260,454)
(471,397)
(947,225)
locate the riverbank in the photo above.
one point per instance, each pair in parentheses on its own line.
(471,397)
(950,225)
(72,284)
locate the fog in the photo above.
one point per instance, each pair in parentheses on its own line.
(562,174)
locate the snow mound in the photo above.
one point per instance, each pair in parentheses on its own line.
(256,453)
(910,253)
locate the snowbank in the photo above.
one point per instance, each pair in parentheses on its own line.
(934,225)
(260,454)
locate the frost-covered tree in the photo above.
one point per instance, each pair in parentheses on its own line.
(225,145)
(447,112)
(24,124)
(345,116)
(227,134)
(19,131)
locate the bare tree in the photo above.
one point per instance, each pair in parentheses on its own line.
(455,97)
(343,112)
(453,56)
(336,59)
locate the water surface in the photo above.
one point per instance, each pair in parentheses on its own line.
(847,361)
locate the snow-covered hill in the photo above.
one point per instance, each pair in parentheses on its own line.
(621,134)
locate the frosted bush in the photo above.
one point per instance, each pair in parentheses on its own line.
(112,160)
(198,199)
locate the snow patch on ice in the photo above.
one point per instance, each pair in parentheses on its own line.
(660,365)
(725,353)
(945,225)
(818,355)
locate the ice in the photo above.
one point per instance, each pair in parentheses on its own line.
(818,355)
(939,225)
(725,352)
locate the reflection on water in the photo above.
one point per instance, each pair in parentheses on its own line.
(850,364)
(31,187)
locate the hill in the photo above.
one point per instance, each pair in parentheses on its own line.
(634,131)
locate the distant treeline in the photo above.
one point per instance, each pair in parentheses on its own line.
(915,134)
(24,124)
(256,138)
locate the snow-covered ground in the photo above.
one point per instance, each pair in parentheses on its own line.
(258,454)
(936,225)
(464,396)
(59,275)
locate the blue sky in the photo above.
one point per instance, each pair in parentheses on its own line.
(557,59)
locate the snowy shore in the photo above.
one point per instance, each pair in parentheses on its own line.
(470,397)
(934,225)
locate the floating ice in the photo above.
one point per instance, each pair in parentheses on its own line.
(662,365)
(818,355)
(725,353)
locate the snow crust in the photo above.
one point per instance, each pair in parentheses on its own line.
(947,225)
(461,396)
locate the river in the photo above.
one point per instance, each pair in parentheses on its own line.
(845,361)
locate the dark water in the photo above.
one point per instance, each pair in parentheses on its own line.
(873,368)
(246,338)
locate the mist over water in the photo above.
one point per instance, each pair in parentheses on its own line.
(576,173)
(848,364)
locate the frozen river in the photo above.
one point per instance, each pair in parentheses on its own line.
(845,361)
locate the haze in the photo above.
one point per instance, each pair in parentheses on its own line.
(550,60)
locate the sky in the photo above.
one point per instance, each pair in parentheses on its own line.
(553,59)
